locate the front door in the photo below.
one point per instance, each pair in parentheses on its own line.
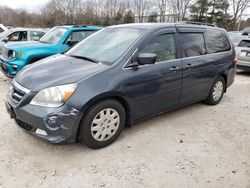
(156,88)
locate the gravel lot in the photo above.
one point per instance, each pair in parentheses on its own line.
(197,146)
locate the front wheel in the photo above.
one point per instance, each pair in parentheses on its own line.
(102,124)
(217,91)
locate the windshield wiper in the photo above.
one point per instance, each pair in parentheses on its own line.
(85,58)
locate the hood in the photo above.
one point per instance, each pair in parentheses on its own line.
(56,70)
(26,45)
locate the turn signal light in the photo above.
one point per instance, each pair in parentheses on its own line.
(19,54)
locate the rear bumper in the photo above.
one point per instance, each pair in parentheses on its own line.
(57,126)
(243,66)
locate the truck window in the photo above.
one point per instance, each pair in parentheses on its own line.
(36,35)
(14,36)
(79,35)
(216,41)
(18,36)
(193,44)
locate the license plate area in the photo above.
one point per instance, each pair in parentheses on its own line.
(245,53)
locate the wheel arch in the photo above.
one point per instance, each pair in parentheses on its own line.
(224,76)
(114,96)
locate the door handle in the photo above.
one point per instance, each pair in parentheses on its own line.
(174,69)
(188,66)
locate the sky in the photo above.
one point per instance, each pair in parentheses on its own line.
(30,5)
(33,5)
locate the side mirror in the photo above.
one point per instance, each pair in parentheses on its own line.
(5,40)
(146,58)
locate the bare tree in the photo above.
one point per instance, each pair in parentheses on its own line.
(162,6)
(141,7)
(179,7)
(239,7)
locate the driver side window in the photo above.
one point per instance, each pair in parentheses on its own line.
(163,46)
(14,36)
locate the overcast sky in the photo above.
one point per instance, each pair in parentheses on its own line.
(33,5)
(26,4)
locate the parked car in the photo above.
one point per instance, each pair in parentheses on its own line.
(243,54)
(236,37)
(246,31)
(20,35)
(58,40)
(119,76)
(2,28)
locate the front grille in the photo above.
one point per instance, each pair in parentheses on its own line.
(16,95)
(24,125)
(17,92)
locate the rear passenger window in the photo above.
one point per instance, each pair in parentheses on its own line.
(216,41)
(193,44)
(163,46)
(35,35)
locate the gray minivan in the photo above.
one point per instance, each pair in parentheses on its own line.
(118,76)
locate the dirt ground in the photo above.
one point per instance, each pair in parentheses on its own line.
(197,146)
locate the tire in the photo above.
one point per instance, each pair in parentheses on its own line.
(102,124)
(216,92)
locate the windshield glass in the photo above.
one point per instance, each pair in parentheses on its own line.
(54,35)
(107,45)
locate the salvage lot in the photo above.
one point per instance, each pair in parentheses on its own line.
(197,146)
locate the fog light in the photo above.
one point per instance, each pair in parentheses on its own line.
(41,132)
(14,67)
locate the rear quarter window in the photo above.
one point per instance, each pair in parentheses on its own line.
(216,41)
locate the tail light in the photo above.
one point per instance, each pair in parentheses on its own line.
(235,61)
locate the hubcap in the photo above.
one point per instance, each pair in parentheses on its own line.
(218,90)
(105,124)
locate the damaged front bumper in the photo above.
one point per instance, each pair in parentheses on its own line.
(55,125)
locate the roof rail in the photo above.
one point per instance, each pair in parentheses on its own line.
(73,25)
(79,26)
(199,23)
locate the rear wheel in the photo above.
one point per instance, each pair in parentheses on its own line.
(102,124)
(217,91)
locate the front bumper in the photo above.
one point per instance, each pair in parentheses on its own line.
(10,67)
(55,125)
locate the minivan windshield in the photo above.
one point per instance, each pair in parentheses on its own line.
(54,35)
(107,45)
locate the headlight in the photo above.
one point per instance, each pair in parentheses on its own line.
(54,96)
(11,54)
